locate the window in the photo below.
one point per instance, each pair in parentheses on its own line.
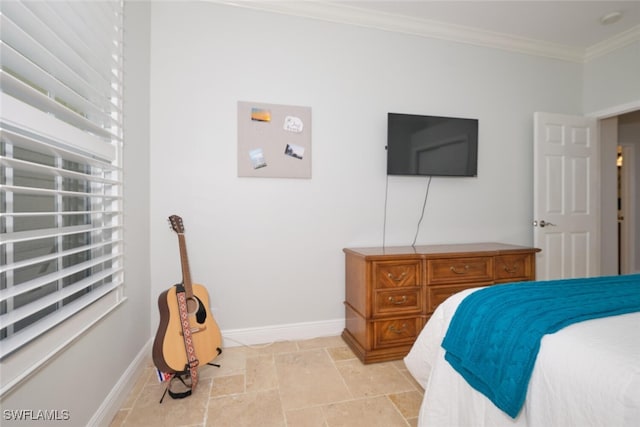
(61,248)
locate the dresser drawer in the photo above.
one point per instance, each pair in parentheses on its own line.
(395,332)
(460,270)
(516,267)
(396,274)
(437,294)
(400,301)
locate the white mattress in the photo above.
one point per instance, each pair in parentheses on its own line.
(587,374)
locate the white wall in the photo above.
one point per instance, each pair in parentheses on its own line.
(611,86)
(270,250)
(612,80)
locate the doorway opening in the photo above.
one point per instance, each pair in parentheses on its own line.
(620,224)
(626,207)
(619,162)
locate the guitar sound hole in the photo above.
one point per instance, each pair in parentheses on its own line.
(201,312)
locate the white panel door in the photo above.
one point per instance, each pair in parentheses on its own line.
(566,203)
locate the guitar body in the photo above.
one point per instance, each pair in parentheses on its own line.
(169,349)
(169,354)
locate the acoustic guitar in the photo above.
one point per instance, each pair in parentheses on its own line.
(169,353)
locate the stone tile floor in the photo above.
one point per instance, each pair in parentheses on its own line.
(317,382)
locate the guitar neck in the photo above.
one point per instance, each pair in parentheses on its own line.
(184,262)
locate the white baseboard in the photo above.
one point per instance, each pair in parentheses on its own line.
(119,393)
(287,332)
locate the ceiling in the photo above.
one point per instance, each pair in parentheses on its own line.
(569,29)
(570,23)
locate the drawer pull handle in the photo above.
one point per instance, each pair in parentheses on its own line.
(466,269)
(392,300)
(511,270)
(397,279)
(403,329)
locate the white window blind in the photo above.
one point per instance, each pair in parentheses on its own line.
(61,248)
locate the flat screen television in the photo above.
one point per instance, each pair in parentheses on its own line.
(431,145)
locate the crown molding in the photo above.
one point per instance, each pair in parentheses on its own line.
(354,15)
(630,36)
(615,111)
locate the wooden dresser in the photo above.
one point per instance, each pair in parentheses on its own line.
(391,292)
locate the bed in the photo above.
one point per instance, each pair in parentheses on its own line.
(585,374)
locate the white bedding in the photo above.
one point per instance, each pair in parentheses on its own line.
(587,374)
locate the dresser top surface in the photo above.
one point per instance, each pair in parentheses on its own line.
(491,248)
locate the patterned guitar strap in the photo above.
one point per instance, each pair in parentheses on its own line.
(192,365)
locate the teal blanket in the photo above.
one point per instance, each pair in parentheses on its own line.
(494,335)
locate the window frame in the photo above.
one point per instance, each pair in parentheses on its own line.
(62,92)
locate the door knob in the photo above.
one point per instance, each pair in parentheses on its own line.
(542,223)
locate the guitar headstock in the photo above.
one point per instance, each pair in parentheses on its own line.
(176,224)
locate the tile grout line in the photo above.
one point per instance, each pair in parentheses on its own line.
(340,360)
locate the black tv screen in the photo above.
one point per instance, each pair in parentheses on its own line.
(431,145)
